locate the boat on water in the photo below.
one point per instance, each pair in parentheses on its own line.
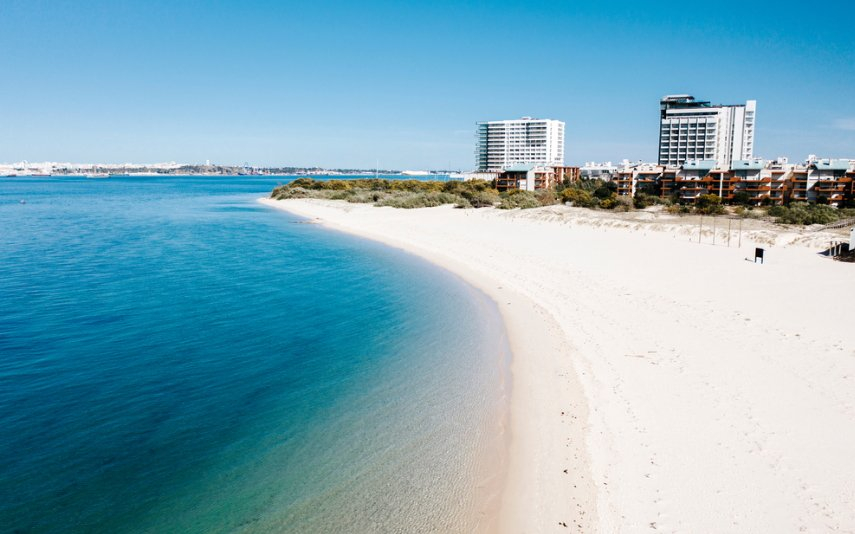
(98,175)
(415,173)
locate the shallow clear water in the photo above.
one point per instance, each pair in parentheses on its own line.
(176,357)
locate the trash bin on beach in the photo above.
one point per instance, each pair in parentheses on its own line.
(758,254)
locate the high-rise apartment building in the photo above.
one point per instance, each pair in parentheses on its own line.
(690,129)
(502,144)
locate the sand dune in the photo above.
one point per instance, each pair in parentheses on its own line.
(680,385)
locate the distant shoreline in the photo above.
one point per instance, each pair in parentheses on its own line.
(185,173)
(82,170)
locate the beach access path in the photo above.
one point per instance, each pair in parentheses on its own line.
(658,383)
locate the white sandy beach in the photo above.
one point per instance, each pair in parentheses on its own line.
(658,384)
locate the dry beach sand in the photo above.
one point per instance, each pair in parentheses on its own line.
(658,384)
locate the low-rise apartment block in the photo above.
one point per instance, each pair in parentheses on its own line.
(535,177)
(748,181)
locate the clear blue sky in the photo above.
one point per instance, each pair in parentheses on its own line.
(343,84)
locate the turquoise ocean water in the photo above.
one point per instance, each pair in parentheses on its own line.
(175,357)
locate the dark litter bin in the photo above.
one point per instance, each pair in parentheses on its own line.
(758,255)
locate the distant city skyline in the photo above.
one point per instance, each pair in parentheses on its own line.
(344,85)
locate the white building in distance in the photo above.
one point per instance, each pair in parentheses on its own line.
(690,129)
(601,171)
(525,141)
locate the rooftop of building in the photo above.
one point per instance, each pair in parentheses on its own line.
(520,167)
(747,165)
(831,164)
(699,164)
(521,119)
(689,102)
(599,165)
(683,101)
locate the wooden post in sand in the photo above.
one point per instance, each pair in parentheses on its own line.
(713,230)
(729,221)
(740,233)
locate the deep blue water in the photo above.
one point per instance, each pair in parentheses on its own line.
(175,357)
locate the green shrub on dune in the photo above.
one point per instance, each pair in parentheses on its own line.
(709,205)
(516,198)
(803,213)
(546,197)
(414,186)
(283,192)
(362,197)
(337,185)
(579,198)
(409,200)
(396,193)
(608,203)
(584,194)
(643,200)
(482,199)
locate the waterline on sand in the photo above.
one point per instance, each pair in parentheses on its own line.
(536,492)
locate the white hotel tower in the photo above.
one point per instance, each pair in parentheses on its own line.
(694,130)
(502,144)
